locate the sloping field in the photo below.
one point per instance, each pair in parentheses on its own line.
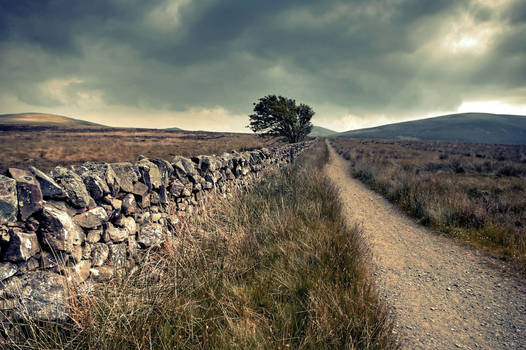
(318,131)
(465,127)
(42,119)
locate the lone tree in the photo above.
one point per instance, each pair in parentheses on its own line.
(279,116)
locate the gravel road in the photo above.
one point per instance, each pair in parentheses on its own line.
(444,295)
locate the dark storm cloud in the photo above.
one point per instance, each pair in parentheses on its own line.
(517,12)
(361,57)
(54,25)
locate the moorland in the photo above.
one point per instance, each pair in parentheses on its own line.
(46,146)
(276,266)
(474,192)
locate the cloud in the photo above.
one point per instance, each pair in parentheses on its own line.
(166,16)
(356,62)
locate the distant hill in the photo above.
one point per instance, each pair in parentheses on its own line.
(463,127)
(42,119)
(173,129)
(318,131)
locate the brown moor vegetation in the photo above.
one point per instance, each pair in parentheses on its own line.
(475,192)
(48,146)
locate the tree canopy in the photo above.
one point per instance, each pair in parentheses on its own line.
(280,116)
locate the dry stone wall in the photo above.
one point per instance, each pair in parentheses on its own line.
(87,222)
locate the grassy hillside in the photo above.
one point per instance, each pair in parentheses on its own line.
(39,119)
(465,127)
(318,131)
(274,268)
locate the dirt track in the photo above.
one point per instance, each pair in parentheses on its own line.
(443,295)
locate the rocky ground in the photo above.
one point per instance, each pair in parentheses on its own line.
(443,295)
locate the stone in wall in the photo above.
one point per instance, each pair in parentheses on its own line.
(28,192)
(165,168)
(74,187)
(7,270)
(30,264)
(94,236)
(129,205)
(50,188)
(126,174)
(151,234)
(183,168)
(22,246)
(92,218)
(129,224)
(106,174)
(37,295)
(114,202)
(115,234)
(96,186)
(140,189)
(52,260)
(8,200)
(229,175)
(99,254)
(150,174)
(118,253)
(58,230)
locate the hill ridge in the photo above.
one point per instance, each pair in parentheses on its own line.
(472,127)
(37,118)
(320,131)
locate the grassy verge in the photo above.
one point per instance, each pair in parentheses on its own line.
(473,192)
(276,268)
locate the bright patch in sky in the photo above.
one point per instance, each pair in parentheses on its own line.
(56,89)
(495,107)
(466,42)
(470,36)
(166,16)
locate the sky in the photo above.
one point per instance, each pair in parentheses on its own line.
(201,64)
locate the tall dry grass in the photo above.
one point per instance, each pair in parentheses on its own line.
(275,268)
(474,192)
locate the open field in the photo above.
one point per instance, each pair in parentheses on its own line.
(274,268)
(48,146)
(474,192)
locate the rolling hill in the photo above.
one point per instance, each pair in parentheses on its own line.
(42,119)
(463,127)
(318,131)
